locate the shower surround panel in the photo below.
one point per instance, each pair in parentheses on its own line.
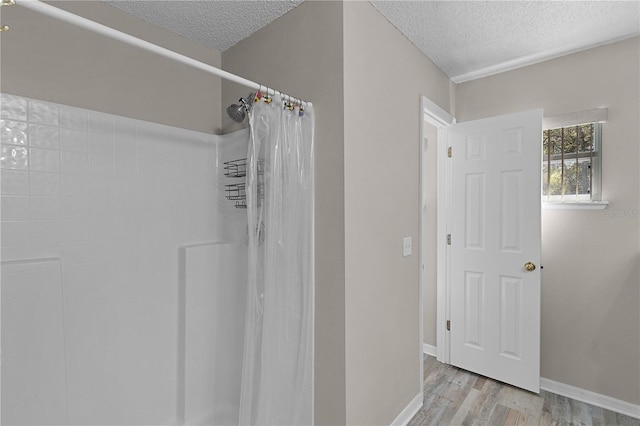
(102,204)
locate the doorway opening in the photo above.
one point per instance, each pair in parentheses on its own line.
(487,233)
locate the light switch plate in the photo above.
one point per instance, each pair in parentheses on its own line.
(406,246)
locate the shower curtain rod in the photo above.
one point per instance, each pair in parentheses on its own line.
(45,9)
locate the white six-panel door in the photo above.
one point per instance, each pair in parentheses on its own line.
(495,232)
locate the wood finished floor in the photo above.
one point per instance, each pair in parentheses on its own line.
(457,397)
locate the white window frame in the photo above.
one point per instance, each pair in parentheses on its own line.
(582,201)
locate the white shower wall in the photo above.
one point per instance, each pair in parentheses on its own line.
(96,211)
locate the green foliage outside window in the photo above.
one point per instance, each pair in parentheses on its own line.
(569,157)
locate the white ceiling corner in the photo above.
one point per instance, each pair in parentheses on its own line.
(472,39)
(466,39)
(216,24)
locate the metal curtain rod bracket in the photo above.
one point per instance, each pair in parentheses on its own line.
(52,11)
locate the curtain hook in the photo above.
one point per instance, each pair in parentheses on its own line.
(267,99)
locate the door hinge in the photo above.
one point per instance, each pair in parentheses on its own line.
(449,152)
(448,239)
(448,325)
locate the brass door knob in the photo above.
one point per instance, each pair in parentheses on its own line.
(530,266)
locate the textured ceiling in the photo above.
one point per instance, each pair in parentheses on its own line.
(466,39)
(217,24)
(471,39)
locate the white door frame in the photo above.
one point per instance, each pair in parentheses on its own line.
(431,113)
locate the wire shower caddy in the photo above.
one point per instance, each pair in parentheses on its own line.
(237,191)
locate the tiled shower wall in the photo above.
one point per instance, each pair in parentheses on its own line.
(110,200)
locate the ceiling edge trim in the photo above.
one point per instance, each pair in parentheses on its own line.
(529,60)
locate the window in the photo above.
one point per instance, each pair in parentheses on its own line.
(571,163)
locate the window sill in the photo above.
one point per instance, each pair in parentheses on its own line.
(576,205)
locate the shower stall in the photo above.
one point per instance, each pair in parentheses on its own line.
(153,275)
(124,270)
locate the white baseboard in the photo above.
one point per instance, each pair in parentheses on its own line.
(429,349)
(410,410)
(599,400)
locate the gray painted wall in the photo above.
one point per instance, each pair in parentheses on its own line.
(385,76)
(590,283)
(301,54)
(44,58)
(367,355)
(340,56)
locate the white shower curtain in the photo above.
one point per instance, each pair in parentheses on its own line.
(277,379)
